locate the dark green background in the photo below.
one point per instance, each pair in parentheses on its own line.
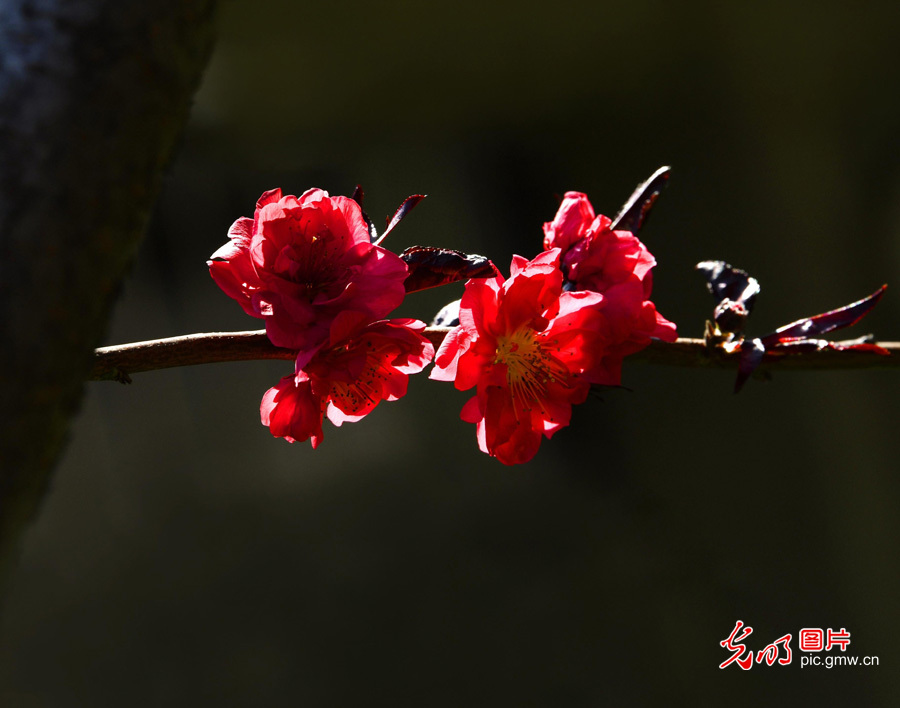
(185,557)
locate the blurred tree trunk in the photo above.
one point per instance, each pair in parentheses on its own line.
(93,96)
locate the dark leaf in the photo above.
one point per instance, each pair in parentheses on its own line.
(401,212)
(726,282)
(633,215)
(811,327)
(862,347)
(358,196)
(448,315)
(801,346)
(752,353)
(866,343)
(430,267)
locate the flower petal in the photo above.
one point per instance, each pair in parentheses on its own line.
(292,412)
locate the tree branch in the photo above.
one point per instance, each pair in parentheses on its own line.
(118,362)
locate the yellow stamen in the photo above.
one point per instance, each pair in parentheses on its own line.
(529,365)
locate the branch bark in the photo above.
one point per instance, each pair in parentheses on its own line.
(117,363)
(93,96)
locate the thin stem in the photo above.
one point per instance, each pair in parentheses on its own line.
(118,362)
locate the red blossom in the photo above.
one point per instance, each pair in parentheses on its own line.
(530,349)
(299,262)
(614,263)
(358,367)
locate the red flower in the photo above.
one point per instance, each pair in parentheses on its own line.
(530,349)
(359,366)
(298,263)
(614,263)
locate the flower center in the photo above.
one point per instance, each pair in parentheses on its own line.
(355,393)
(312,263)
(529,364)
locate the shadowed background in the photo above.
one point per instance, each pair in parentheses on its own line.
(186,557)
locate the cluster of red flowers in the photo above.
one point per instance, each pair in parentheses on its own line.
(307,267)
(531,345)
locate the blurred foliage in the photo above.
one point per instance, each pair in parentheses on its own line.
(187,558)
